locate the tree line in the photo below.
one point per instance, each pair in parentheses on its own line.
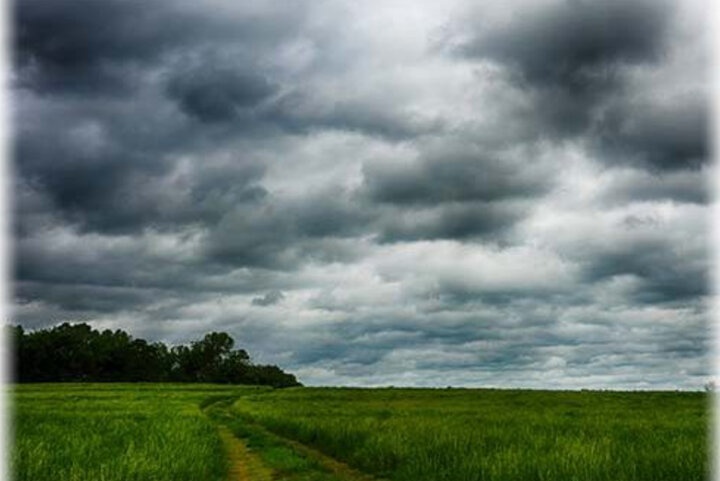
(79,353)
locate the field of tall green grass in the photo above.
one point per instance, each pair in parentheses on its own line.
(116,432)
(496,435)
(169,432)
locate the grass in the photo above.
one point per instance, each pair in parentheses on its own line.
(489,435)
(287,463)
(159,432)
(109,432)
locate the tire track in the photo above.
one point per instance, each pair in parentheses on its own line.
(244,465)
(332,465)
(248,466)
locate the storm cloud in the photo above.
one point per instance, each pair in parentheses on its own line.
(572,45)
(505,194)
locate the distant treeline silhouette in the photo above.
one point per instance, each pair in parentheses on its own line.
(79,353)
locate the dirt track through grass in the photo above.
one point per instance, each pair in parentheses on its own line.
(257,454)
(332,465)
(244,465)
(493,435)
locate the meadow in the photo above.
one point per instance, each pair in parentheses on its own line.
(495,435)
(116,432)
(110,432)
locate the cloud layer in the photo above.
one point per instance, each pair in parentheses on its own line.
(510,194)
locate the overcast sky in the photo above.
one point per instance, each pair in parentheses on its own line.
(498,193)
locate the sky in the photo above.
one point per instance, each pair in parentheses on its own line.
(499,193)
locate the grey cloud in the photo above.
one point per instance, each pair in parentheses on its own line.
(300,112)
(283,234)
(360,207)
(663,134)
(461,221)
(118,191)
(575,59)
(639,185)
(210,55)
(454,295)
(365,344)
(60,48)
(103,175)
(454,177)
(253,238)
(499,349)
(454,191)
(666,272)
(87,298)
(272,297)
(79,260)
(216,94)
(574,45)
(94,188)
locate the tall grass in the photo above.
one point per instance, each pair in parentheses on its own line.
(115,432)
(486,435)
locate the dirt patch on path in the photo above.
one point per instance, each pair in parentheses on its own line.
(244,465)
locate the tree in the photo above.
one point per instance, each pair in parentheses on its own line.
(76,352)
(212,351)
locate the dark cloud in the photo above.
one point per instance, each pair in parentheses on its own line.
(639,185)
(662,271)
(454,191)
(114,188)
(272,297)
(86,299)
(218,94)
(60,47)
(574,45)
(450,221)
(208,56)
(67,49)
(453,177)
(101,190)
(103,170)
(576,59)
(283,235)
(96,260)
(523,208)
(663,134)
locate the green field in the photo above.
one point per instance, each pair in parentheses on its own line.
(108,432)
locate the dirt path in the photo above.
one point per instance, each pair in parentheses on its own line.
(338,468)
(244,465)
(248,466)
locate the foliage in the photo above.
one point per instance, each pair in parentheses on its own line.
(76,352)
